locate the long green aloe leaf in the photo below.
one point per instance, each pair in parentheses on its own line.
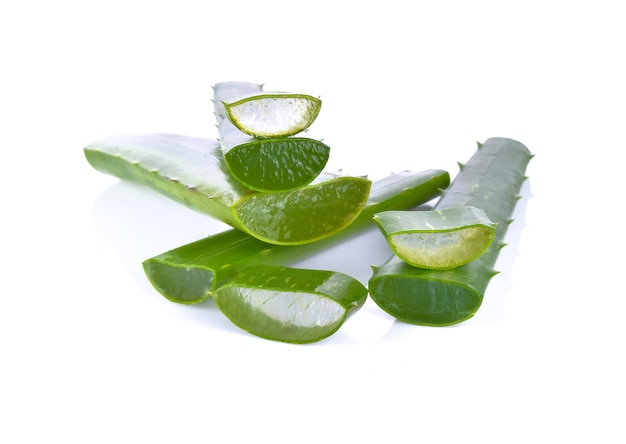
(265,164)
(191,170)
(439,239)
(190,273)
(491,181)
(290,304)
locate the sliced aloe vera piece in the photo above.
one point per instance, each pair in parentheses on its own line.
(290,304)
(270,114)
(270,164)
(308,214)
(438,239)
(191,170)
(277,164)
(190,273)
(491,181)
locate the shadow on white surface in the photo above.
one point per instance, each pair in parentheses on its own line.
(138,223)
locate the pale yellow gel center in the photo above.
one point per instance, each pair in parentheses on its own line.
(440,249)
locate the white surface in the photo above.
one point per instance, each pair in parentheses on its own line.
(91,353)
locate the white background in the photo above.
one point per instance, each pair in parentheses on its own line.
(91,353)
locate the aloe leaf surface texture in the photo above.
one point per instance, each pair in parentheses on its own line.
(491,180)
(289,304)
(191,273)
(191,170)
(439,239)
(270,164)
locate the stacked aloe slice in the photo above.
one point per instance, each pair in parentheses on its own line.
(268,182)
(259,134)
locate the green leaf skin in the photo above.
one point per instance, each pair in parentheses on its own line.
(440,239)
(190,273)
(191,170)
(270,164)
(307,214)
(277,164)
(491,181)
(290,304)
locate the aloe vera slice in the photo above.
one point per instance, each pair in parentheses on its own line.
(191,170)
(438,239)
(265,164)
(290,304)
(491,181)
(190,273)
(307,214)
(263,114)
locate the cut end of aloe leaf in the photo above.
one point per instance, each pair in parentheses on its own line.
(277,164)
(182,284)
(416,296)
(311,213)
(290,304)
(438,239)
(273,114)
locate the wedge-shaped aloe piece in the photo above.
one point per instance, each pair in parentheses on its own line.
(438,239)
(265,164)
(324,207)
(190,273)
(290,304)
(191,170)
(491,181)
(269,114)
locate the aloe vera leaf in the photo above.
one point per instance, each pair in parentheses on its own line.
(269,164)
(491,181)
(190,273)
(191,170)
(269,114)
(290,304)
(440,239)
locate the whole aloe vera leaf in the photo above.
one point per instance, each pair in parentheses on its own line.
(190,273)
(440,239)
(288,304)
(269,164)
(191,170)
(491,181)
